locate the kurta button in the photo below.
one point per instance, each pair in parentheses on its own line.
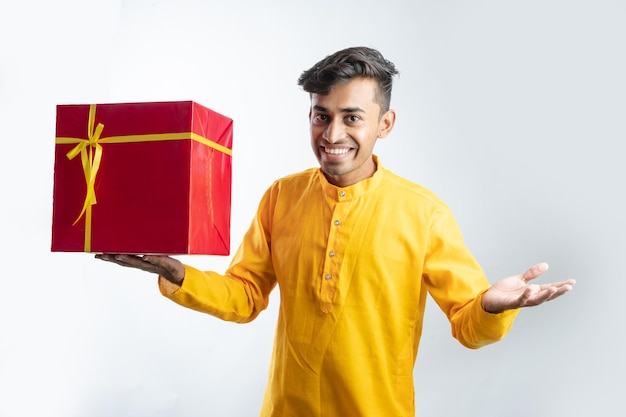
(342,193)
(337,222)
(331,253)
(327,277)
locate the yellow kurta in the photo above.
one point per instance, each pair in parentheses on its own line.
(354,266)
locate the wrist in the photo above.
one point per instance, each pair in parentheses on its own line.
(177,275)
(488,306)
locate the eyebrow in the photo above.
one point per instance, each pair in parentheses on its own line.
(344,110)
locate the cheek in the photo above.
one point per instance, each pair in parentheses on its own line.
(366,141)
(316,131)
(314,143)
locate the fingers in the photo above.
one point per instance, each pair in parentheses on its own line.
(560,288)
(567,284)
(170,268)
(541,296)
(156,260)
(534,271)
(121,259)
(130,261)
(546,292)
(523,299)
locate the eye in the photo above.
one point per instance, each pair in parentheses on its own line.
(353,118)
(319,118)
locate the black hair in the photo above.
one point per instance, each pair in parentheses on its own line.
(348,64)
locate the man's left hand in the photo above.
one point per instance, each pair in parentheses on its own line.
(516,291)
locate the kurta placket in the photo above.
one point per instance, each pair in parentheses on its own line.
(335,249)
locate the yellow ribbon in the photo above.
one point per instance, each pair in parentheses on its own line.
(90,151)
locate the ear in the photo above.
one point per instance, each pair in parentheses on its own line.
(386,123)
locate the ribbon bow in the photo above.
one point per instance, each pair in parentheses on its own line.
(90,152)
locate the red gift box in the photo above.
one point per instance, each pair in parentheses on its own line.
(143,178)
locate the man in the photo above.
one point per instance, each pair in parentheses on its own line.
(355,250)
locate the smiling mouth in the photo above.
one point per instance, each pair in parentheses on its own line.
(336,151)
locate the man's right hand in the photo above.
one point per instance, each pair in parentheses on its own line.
(165,266)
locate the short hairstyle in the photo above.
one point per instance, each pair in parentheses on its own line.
(348,64)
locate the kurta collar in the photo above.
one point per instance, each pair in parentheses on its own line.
(355,190)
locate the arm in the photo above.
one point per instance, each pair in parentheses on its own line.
(478,313)
(227,297)
(457,283)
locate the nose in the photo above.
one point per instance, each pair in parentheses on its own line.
(334,132)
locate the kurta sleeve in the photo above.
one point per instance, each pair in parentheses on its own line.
(243,291)
(456,282)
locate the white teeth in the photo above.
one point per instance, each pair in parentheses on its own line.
(337,151)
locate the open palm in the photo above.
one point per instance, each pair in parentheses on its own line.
(516,291)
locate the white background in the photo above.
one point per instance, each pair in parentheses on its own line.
(512,111)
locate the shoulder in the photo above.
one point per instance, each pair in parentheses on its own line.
(297,180)
(404,199)
(293,183)
(405,189)
(306,175)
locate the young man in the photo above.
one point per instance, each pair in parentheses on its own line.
(355,250)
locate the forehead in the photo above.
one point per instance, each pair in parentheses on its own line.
(359,92)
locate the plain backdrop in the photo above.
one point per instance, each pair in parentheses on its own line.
(512,111)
